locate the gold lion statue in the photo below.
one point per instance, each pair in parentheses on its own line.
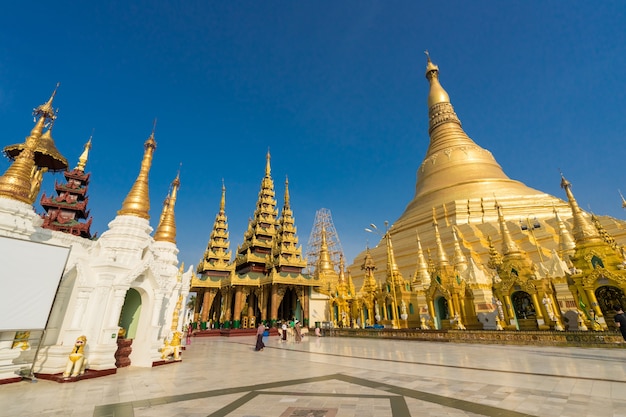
(77,362)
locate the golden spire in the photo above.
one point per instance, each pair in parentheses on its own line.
(566,243)
(508,245)
(442,258)
(437,94)
(582,230)
(393,272)
(324,263)
(137,202)
(460,261)
(16,181)
(623,200)
(166,231)
(223,199)
(421,274)
(82,159)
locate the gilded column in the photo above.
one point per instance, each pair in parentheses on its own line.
(274,304)
(237,310)
(538,307)
(206,306)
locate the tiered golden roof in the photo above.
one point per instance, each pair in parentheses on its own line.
(217,256)
(259,237)
(137,202)
(287,254)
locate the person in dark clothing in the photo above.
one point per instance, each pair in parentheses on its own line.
(259,337)
(620,321)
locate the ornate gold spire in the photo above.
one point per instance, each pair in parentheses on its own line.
(324,263)
(508,244)
(217,256)
(137,202)
(393,272)
(460,261)
(166,230)
(369,282)
(583,230)
(567,245)
(422,276)
(82,159)
(16,181)
(442,258)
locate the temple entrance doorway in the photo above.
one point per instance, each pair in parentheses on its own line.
(129,323)
(608,298)
(525,312)
(289,308)
(442,313)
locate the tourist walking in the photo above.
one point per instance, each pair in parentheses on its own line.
(259,337)
(298,331)
(284,329)
(620,321)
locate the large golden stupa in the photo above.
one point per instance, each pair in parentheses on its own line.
(465,213)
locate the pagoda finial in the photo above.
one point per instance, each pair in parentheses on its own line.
(582,229)
(137,202)
(166,231)
(623,200)
(268,169)
(223,200)
(82,160)
(16,181)
(437,94)
(286,191)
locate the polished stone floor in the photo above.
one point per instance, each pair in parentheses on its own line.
(340,377)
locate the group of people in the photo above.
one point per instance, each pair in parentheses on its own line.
(283,331)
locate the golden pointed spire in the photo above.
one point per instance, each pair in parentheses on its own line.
(223,199)
(437,93)
(460,261)
(421,274)
(324,263)
(508,245)
(16,181)
(137,202)
(623,200)
(166,231)
(583,230)
(442,258)
(82,159)
(567,245)
(286,191)
(268,169)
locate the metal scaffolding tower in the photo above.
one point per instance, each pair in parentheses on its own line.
(324,220)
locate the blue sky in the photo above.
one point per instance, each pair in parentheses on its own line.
(335,90)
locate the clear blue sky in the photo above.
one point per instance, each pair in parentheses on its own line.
(336,90)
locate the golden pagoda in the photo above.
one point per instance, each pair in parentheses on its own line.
(215,270)
(268,282)
(464,208)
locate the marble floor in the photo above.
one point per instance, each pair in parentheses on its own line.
(341,377)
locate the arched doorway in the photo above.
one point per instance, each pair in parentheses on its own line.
(525,312)
(608,298)
(442,313)
(129,322)
(289,308)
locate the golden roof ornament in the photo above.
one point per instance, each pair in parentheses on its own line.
(46,154)
(166,231)
(583,230)
(16,181)
(137,202)
(82,159)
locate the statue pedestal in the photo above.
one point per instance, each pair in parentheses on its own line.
(122,354)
